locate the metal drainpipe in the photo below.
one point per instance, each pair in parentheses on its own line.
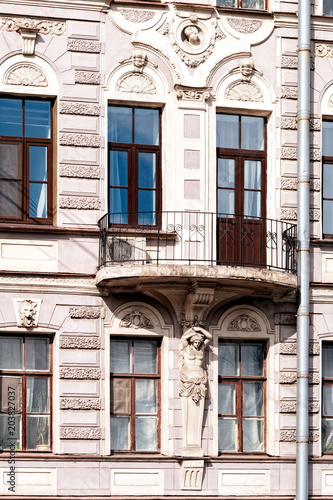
(303,254)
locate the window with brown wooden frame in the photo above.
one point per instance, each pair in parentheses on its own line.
(327,213)
(327,405)
(243,4)
(134,139)
(135,394)
(26,392)
(25,160)
(241,396)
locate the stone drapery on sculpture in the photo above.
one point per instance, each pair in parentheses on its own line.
(193,375)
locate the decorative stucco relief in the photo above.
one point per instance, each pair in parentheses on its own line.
(79,203)
(80,433)
(290,184)
(289,436)
(291,214)
(80,140)
(291,154)
(79,108)
(137,83)
(80,404)
(245,26)
(330,102)
(27,75)
(44,27)
(196,306)
(80,373)
(87,77)
(291,348)
(80,343)
(136,319)
(219,35)
(291,123)
(291,378)
(287,319)
(192,94)
(85,312)
(27,312)
(324,49)
(291,407)
(78,45)
(79,171)
(291,62)
(137,16)
(244,323)
(289,92)
(244,91)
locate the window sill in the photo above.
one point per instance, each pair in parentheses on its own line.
(33,228)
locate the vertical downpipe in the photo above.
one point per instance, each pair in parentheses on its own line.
(303,252)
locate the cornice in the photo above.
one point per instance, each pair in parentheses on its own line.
(99,5)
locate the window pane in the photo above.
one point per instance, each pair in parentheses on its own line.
(37,119)
(226,173)
(252,174)
(147,170)
(16,427)
(10,394)
(252,360)
(121,396)
(227,132)
(119,124)
(145,396)
(38,163)
(328,400)
(225,202)
(38,432)
(328,180)
(145,356)
(146,128)
(146,433)
(11,117)
(227,399)
(11,352)
(328,128)
(327,217)
(253,399)
(120,433)
(252,203)
(328,361)
(253,434)
(118,168)
(37,200)
(120,356)
(11,161)
(253,4)
(146,203)
(252,132)
(147,217)
(226,3)
(228,434)
(327,435)
(228,359)
(10,199)
(37,353)
(38,400)
(118,205)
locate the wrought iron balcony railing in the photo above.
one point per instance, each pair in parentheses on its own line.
(202,238)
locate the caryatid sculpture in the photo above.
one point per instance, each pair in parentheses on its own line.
(192,386)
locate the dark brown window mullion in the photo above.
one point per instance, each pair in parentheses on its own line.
(46,143)
(132,200)
(24,413)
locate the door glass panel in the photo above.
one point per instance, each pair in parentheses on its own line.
(37,163)
(146,433)
(38,400)
(146,126)
(37,353)
(327,435)
(228,434)
(11,353)
(252,203)
(38,119)
(121,396)
(120,356)
(120,435)
(38,432)
(252,360)
(227,399)
(227,131)
(253,399)
(11,112)
(252,132)
(146,203)
(118,205)
(328,400)
(327,361)
(145,396)
(119,124)
(226,173)
(228,359)
(253,434)
(37,200)
(327,138)
(10,198)
(147,170)
(118,168)
(11,161)
(226,202)
(145,357)
(252,174)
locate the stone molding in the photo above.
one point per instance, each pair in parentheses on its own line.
(80,140)
(44,26)
(27,75)
(290,348)
(244,91)
(192,474)
(290,184)
(288,153)
(87,77)
(137,83)
(85,312)
(80,373)
(289,436)
(80,404)
(79,108)
(244,323)
(192,93)
(290,123)
(196,306)
(137,16)
(79,45)
(291,378)
(291,406)
(245,26)
(79,203)
(291,62)
(289,93)
(323,49)
(80,343)
(79,171)
(80,433)
(136,319)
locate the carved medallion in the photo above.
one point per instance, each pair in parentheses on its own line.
(27,75)
(244,91)
(244,323)
(136,319)
(136,83)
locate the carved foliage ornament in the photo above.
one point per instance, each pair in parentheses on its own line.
(244,26)
(26,75)
(136,83)
(136,319)
(244,323)
(45,27)
(192,94)
(137,16)
(244,91)
(324,49)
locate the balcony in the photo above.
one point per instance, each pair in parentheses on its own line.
(177,247)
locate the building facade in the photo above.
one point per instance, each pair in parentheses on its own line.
(148,206)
